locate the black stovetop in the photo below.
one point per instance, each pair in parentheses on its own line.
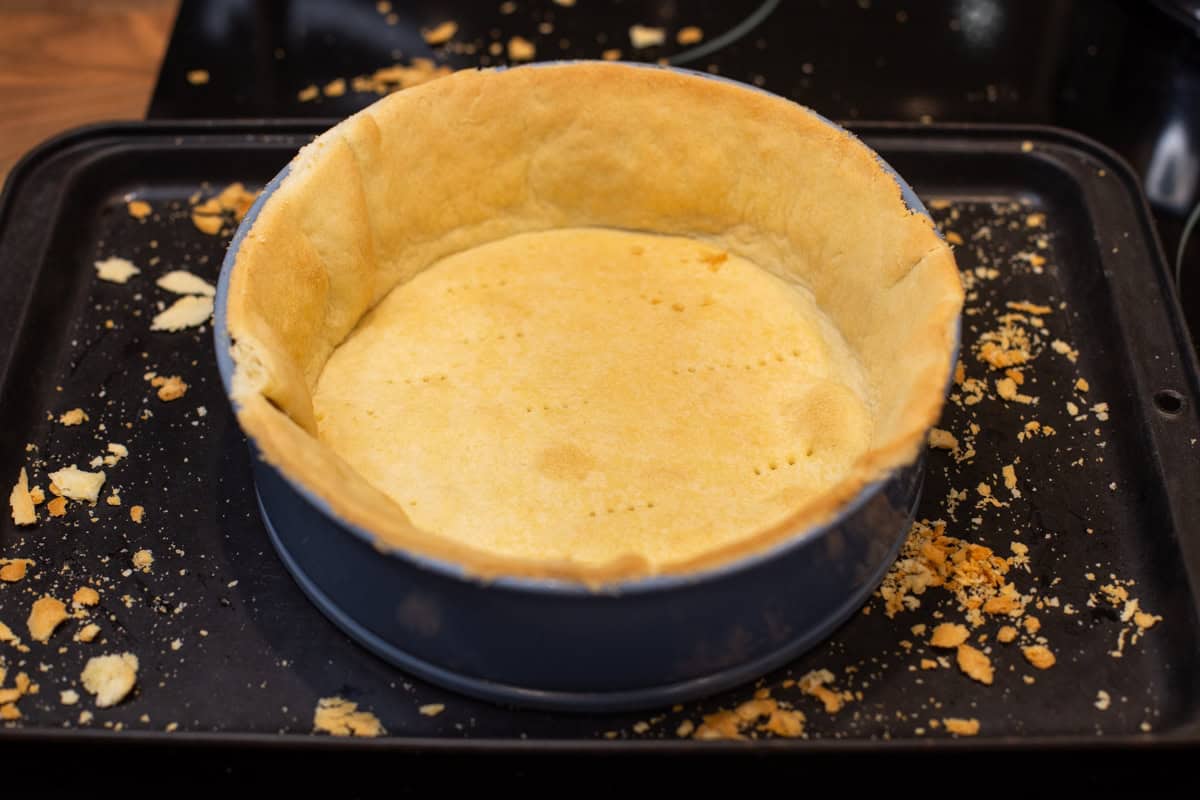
(1125,72)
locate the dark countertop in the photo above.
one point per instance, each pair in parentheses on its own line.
(1125,72)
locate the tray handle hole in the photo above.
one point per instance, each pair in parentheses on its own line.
(1169,402)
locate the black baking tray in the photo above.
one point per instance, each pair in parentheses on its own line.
(254,679)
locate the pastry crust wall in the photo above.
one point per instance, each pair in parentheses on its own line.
(483,155)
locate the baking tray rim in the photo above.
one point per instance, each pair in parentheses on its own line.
(1185,735)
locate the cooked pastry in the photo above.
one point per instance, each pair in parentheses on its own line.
(589,321)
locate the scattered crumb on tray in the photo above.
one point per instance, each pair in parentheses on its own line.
(817,683)
(77,484)
(1039,656)
(75,416)
(942,439)
(521,49)
(961,727)
(87,633)
(949,635)
(431,709)
(197,77)
(179,281)
(46,614)
(440,33)
(139,209)
(762,714)
(689,35)
(186,312)
(975,664)
(110,677)
(116,270)
(643,36)
(85,596)
(143,560)
(338,716)
(169,388)
(20,501)
(13,570)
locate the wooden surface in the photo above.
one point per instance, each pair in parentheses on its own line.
(65,64)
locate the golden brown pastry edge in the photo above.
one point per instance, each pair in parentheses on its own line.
(268,378)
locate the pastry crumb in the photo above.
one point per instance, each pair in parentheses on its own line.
(76,416)
(961,727)
(1039,656)
(1028,308)
(180,281)
(186,312)
(975,664)
(1103,700)
(68,697)
(137,513)
(85,596)
(1007,389)
(816,684)
(521,49)
(1006,634)
(197,77)
(440,33)
(138,209)
(689,35)
(110,677)
(20,501)
(77,484)
(169,388)
(431,709)
(143,560)
(46,615)
(949,635)
(779,720)
(115,270)
(13,569)
(87,633)
(338,716)
(643,36)
(942,439)
(1064,349)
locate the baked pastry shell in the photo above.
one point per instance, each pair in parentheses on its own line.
(353,217)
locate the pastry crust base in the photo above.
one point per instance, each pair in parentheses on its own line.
(589,393)
(483,155)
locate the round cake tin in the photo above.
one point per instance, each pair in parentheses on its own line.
(560,645)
